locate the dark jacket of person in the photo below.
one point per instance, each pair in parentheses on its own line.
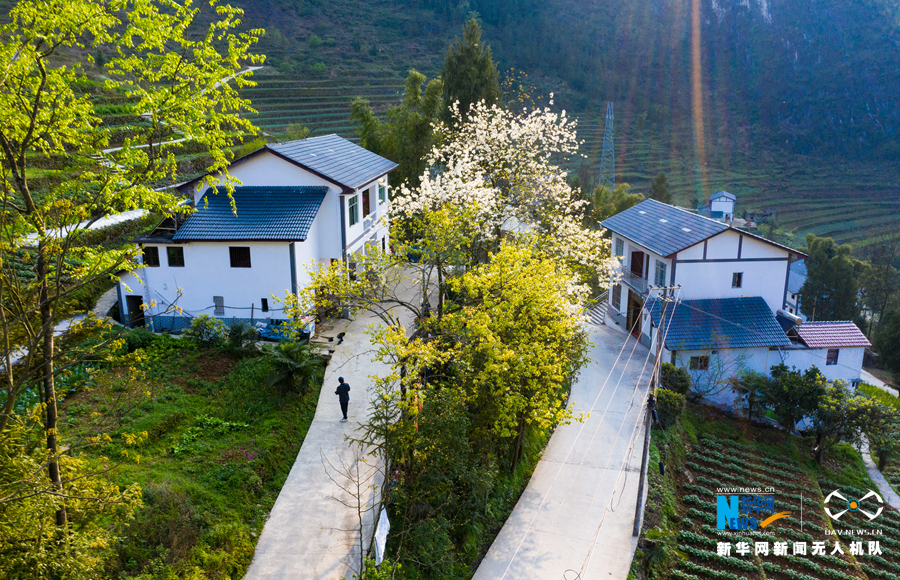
(343,392)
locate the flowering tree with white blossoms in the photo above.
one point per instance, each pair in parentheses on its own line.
(502,168)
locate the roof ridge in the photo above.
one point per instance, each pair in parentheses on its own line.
(317,137)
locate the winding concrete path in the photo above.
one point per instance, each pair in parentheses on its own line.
(575,518)
(314,530)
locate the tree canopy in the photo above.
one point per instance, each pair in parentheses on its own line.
(176,78)
(470,74)
(831,290)
(406,135)
(659,189)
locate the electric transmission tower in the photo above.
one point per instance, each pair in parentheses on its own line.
(608,160)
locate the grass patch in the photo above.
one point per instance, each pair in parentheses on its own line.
(217,447)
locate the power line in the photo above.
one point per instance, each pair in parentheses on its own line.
(581,429)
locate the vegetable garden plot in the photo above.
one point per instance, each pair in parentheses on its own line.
(785,549)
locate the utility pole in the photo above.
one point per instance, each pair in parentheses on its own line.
(665,296)
(608,158)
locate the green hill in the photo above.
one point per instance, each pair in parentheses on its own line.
(800,98)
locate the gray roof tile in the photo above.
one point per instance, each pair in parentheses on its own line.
(720,323)
(797,276)
(336,158)
(661,227)
(263,213)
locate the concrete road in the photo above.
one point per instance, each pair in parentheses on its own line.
(313,531)
(575,518)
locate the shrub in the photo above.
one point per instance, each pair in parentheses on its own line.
(319,68)
(669,405)
(241,335)
(674,378)
(139,338)
(315,41)
(206,331)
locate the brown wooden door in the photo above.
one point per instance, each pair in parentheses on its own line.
(637,264)
(635,311)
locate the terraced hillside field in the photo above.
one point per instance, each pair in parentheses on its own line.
(322,105)
(719,463)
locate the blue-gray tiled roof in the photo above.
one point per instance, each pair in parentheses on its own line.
(263,213)
(662,228)
(797,276)
(337,159)
(720,323)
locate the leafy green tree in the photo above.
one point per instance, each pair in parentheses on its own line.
(605,203)
(182,80)
(296,131)
(407,134)
(470,74)
(883,430)
(840,416)
(880,282)
(887,341)
(831,289)
(659,189)
(794,394)
(752,388)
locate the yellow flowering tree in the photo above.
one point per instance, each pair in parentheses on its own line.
(176,81)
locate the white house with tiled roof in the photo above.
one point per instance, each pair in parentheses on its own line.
(313,200)
(835,348)
(728,286)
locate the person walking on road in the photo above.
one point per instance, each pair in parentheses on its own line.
(343,393)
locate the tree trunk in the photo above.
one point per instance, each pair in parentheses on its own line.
(49,386)
(882,461)
(519,448)
(820,453)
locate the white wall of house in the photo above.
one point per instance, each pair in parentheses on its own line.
(369,228)
(324,236)
(722,204)
(706,270)
(848,367)
(723,364)
(207,272)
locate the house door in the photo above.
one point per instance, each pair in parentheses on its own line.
(637,264)
(135,310)
(635,310)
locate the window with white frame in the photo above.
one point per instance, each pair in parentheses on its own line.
(832,356)
(382,192)
(353,207)
(737,280)
(617,297)
(660,273)
(620,247)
